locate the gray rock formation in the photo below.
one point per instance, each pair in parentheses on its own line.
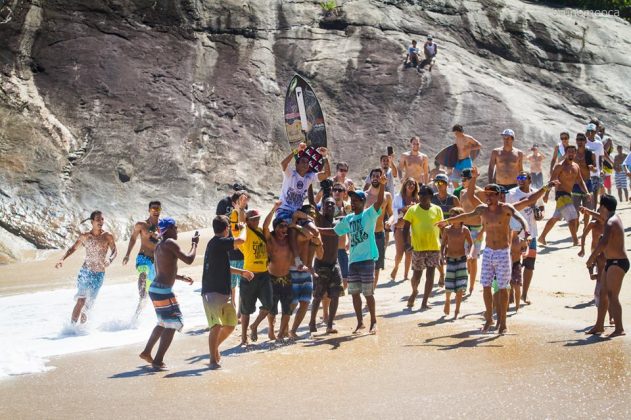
(108,104)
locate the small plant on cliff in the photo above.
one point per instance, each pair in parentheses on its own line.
(328,7)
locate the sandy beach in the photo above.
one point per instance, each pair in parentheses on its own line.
(420,364)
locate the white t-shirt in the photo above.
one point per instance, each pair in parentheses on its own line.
(294,189)
(598,149)
(515,195)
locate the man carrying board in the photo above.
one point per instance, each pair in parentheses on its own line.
(465,144)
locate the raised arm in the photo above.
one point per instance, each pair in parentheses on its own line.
(471,190)
(285,162)
(382,186)
(311,197)
(532,199)
(186,258)
(326,173)
(520,218)
(464,217)
(268,220)
(393,167)
(520,161)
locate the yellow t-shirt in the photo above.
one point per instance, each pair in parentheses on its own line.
(425,235)
(234,223)
(254,252)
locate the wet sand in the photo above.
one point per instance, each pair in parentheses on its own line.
(418,365)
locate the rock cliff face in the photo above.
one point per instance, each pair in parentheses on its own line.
(108,104)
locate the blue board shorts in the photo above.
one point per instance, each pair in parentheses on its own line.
(145,264)
(166,306)
(235,278)
(461,165)
(88,285)
(301,286)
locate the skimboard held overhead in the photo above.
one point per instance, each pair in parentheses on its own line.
(448,157)
(304,120)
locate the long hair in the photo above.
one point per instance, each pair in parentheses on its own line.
(403,191)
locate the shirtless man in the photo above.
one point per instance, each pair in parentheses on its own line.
(466,144)
(535,159)
(474,224)
(414,163)
(342,208)
(585,160)
(96,243)
(167,252)
(567,173)
(145,265)
(506,162)
(496,260)
(386,211)
(280,259)
(328,279)
(612,246)
(559,150)
(620,176)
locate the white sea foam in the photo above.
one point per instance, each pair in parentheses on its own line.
(36,326)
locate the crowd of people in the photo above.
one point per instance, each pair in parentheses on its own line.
(311,255)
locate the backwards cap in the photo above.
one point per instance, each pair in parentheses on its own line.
(165,224)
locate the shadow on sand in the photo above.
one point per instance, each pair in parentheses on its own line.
(468,339)
(334,341)
(140,371)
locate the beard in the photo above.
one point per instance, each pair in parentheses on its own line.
(375,184)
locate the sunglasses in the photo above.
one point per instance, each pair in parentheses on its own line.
(156,208)
(522,178)
(440,183)
(338,190)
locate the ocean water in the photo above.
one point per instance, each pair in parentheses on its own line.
(36,326)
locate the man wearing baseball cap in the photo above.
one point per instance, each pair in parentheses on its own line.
(506,162)
(595,144)
(446,202)
(360,226)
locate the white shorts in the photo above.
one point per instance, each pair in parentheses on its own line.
(496,263)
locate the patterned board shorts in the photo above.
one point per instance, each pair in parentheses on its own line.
(425,259)
(565,208)
(166,306)
(476,237)
(456,275)
(361,277)
(301,286)
(621,180)
(328,281)
(496,263)
(88,285)
(146,265)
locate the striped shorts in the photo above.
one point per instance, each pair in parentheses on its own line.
(361,277)
(496,263)
(456,275)
(621,180)
(166,306)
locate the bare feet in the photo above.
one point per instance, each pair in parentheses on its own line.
(292,335)
(84,318)
(271,335)
(595,330)
(487,325)
(617,333)
(525,300)
(542,240)
(244,344)
(456,315)
(312,327)
(214,365)
(254,335)
(331,330)
(373,328)
(159,366)
(360,326)
(502,330)
(446,308)
(424,307)
(146,357)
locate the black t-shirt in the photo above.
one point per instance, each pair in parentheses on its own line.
(224,207)
(216,277)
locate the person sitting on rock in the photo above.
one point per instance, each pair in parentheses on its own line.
(430,49)
(411,59)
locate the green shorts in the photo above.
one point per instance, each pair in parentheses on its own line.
(219,310)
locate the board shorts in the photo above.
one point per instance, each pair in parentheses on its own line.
(342,260)
(166,306)
(425,259)
(621,180)
(577,190)
(301,286)
(260,287)
(515,277)
(496,263)
(145,264)
(281,293)
(476,237)
(88,285)
(285,215)
(380,238)
(531,255)
(328,280)
(565,207)
(456,275)
(461,165)
(597,183)
(607,181)
(219,310)
(537,179)
(361,278)
(235,278)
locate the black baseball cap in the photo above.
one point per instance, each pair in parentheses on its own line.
(238,187)
(466,173)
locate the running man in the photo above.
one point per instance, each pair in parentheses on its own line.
(466,144)
(414,163)
(167,253)
(506,162)
(612,246)
(360,225)
(496,259)
(386,211)
(147,230)
(217,287)
(567,173)
(96,243)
